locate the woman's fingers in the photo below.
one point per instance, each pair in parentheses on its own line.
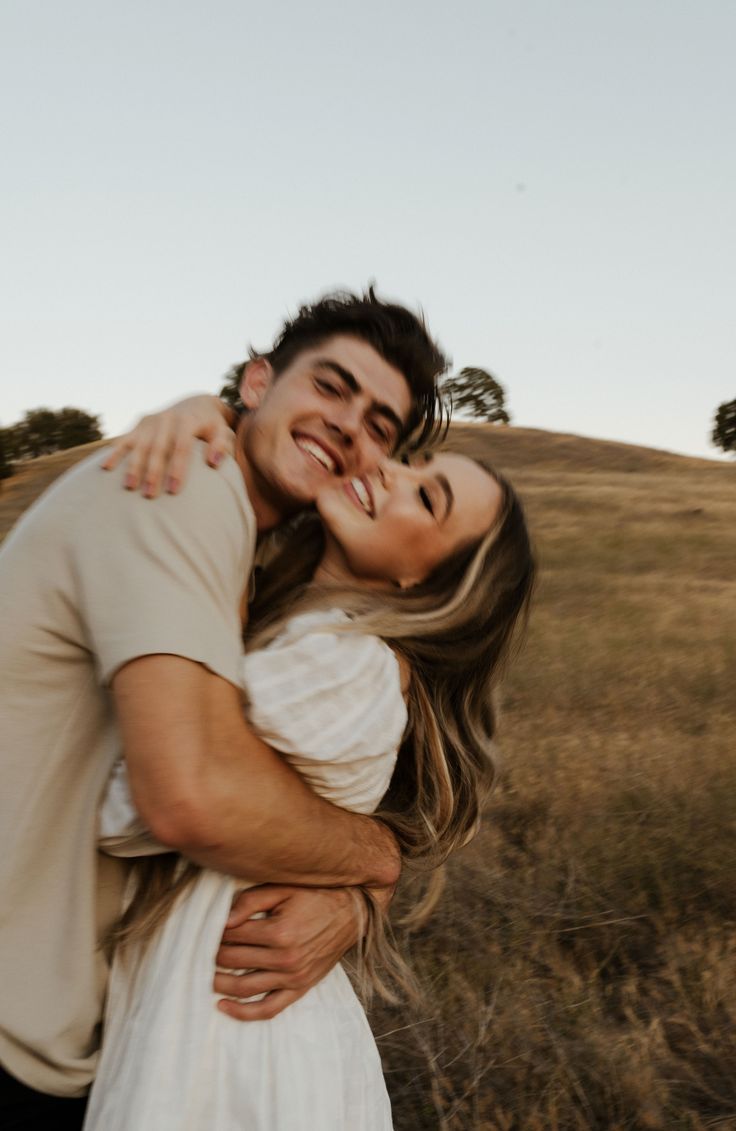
(113,457)
(158,451)
(119,448)
(221,444)
(155,455)
(178,463)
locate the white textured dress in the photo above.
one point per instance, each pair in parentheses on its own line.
(170,1061)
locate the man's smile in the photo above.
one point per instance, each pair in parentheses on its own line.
(325,457)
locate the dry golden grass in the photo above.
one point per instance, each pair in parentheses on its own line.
(581,971)
(33,477)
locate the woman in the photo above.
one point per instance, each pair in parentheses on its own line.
(374,644)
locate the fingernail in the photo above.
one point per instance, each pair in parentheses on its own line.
(129,482)
(148,491)
(172,485)
(216,459)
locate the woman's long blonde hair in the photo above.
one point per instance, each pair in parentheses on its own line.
(455,631)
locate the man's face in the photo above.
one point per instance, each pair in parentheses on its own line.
(337,410)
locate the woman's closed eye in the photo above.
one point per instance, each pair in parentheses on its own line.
(426,499)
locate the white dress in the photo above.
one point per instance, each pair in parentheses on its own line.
(170,1061)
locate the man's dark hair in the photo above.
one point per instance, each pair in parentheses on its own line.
(399,336)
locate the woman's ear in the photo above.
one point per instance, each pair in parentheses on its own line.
(256,380)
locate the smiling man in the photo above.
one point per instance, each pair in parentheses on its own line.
(334,412)
(122,626)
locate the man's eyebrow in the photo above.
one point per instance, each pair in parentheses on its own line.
(444,483)
(379,407)
(340,371)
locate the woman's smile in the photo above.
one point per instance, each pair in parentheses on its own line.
(360,494)
(419,515)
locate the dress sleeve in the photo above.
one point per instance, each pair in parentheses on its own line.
(331,702)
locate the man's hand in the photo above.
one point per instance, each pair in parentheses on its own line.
(305,932)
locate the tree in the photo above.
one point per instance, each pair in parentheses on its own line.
(6,467)
(77,427)
(38,434)
(43,431)
(724,427)
(478,393)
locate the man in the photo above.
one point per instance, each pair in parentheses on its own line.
(121,623)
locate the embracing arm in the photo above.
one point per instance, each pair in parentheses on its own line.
(158,449)
(208,787)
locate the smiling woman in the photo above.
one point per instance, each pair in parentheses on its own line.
(395,526)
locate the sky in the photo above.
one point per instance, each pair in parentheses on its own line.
(552,181)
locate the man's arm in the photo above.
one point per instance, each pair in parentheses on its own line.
(206,786)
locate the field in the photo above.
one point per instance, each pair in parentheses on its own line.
(581,969)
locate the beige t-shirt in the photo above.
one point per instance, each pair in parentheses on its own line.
(92,577)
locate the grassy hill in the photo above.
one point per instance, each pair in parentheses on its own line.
(581,970)
(33,477)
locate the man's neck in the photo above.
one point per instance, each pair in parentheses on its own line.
(268,514)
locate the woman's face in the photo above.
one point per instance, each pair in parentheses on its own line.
(398,524)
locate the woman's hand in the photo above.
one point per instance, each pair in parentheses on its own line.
(158,449)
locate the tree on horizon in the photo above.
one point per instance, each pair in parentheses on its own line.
(724,427)
(6,467)
(45,430)
(476,392)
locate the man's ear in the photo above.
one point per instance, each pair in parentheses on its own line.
(256,379)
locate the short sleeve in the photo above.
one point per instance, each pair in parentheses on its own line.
(331,702)
(165,575)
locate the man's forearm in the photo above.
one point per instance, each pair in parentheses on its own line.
(283,832)
(208,787)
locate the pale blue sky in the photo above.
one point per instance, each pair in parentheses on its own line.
(553,181)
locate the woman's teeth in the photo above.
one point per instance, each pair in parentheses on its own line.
(317,452)
(363,494)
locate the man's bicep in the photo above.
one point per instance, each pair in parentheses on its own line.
(171,712)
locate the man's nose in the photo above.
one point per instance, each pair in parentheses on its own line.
(346,423)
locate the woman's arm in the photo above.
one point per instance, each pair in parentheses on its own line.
(158,449)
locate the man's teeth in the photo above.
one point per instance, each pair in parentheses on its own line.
(318,452)
(363,494)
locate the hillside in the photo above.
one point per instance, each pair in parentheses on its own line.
(580,969)
(513,450)
(33,477)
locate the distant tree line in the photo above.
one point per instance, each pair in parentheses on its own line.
(43,431)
